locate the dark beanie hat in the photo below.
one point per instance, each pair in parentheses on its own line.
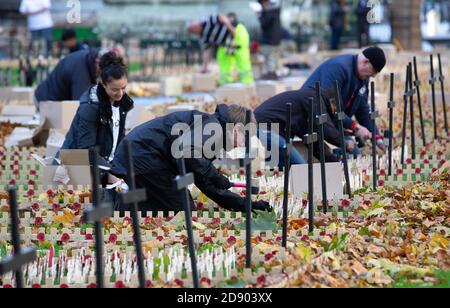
(376,57)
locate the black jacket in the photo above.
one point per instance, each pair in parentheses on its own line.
(274,111)
(152,154)
(92,125)
(272,32)
(71,77)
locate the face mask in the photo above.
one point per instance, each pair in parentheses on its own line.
(235,23)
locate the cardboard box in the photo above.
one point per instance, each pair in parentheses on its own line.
(139,115)
(19,110)
(172,86)
(204,82)
(236,93)
(268,89)
(59,115)
(335,186)
(75,166)
(17,94)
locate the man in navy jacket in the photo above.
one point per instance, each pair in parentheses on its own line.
(72,77)
(353,73)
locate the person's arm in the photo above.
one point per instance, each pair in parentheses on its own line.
(226,22)
(87,126)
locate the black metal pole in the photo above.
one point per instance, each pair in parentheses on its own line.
(340,117)
(15,233)
(411,104)
(444,104)
(248,196)
(320,121)
(405,112)
(134,217)
(433,96)
(391,106)
(287,169)
(188,216)
(311,169)
(97,224)
(374,136)
(417,84)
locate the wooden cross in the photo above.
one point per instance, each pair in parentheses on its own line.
(21,256)
(321,119)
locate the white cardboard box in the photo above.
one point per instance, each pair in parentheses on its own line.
(59,115)
(204,82)
(335,186)
(139,115)
(172,86)
(235,93)
(17,94)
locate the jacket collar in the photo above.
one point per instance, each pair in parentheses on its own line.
(97,95)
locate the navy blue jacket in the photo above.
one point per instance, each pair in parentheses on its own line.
(274,111)
(152,143)
(71,77)
(354,91)
(92,125)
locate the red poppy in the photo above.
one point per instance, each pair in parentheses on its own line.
(32,172)
(305,238)
(367,202)
(242,171)
(127,220)
(268,257)
(345,203)
(119,285)
(41,237)
(200,206)
(148,284)
(65,237)
(195,218)
(35,207)
(382,172)
(7,286)
(381,183)
(232,240)
(259,173)
(64,286)
(30,192)
(216,220)
(70,192)
(50,193)
(399,171)
(207,239)
(88,237)
(38,221)
(426,161)
(76,206)
(36,286)
(12,182)
(206,281)
(442,162)
(418,170)
(261,280)
(112,238)
(304,203)
(160,238)
(31,182)
(179,283)
(409,161)
(92,286)
(56,207)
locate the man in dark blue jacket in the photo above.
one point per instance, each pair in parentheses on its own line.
(353,73)
(72,77)
(155,149)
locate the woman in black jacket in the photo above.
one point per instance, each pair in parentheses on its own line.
(100,119)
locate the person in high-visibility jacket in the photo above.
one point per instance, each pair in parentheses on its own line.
(233,46)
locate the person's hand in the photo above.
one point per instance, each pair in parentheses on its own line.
(381,145)
(224,171)
(261,206)
(351,145)
(222,182)
(362,132)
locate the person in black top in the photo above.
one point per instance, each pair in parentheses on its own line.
(272,34)
(156,148)
(100,119)
(274,111)
(71,77)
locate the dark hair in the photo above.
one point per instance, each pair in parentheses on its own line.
(68,34)
(112,67)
